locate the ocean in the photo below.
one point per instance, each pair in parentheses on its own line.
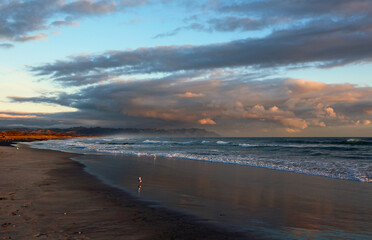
(275,188)
(340,158)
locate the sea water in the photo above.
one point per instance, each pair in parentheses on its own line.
(339,158)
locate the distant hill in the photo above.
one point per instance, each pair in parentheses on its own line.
(98,131)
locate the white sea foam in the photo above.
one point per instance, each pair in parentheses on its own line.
(155,141)
(357,141)
(222,142)
(247,145)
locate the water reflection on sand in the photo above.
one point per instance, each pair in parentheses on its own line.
(271,203)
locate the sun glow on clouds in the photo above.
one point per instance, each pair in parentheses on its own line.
(13,82)
(12,116)
(330,112)
(365,122)
(46,108)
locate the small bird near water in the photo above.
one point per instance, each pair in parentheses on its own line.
(139,184)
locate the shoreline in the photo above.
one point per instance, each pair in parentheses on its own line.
(307,159)
(45,194)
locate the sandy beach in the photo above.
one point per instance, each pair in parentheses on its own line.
(44,195)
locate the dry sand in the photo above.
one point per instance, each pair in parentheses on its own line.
(44,195)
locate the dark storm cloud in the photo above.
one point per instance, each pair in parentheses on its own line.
(322,43)
(23,20)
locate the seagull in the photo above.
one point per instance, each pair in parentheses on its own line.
(139,184)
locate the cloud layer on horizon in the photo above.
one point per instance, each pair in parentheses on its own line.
(288,105)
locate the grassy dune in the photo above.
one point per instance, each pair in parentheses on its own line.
(7,138)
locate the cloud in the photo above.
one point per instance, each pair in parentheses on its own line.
(60,98)
(228,16)
(11,116)
(291,130)
(66,22)
(206,121)
(234,23)
(6,45)
(294,123)
(330,112)
(287,105)
(189,95)
(27,37)
(89,7)
(299,86)
(299,8)
(26,20)
(322,44)
(223,24)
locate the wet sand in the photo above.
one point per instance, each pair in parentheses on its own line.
(45,195)
(274,204)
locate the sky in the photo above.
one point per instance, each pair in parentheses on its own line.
(251,68)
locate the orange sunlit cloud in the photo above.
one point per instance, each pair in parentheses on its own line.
(207,121)
(190,95)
